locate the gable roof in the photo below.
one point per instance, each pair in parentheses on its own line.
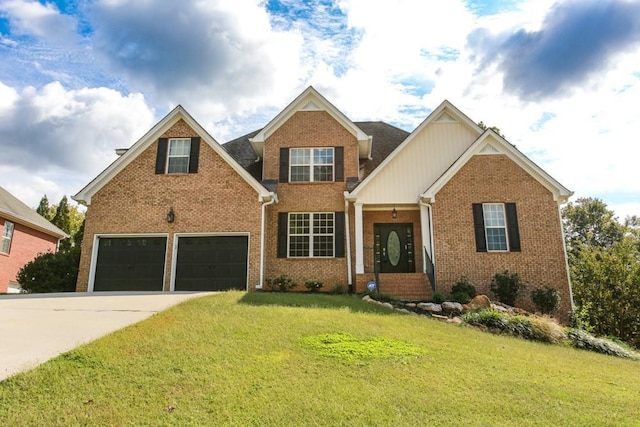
(491,143)
(384,139)
(178,113)
(13,209)
(311,100)
(445,112)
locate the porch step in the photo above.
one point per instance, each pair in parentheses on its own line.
(408,286)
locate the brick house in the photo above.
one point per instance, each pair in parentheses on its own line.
(316,196)
(25,234)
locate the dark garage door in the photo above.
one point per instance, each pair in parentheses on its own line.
(212,263)
(130,264)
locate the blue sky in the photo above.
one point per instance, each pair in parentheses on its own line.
(81,78)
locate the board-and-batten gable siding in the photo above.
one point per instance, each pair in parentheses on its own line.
(419,164)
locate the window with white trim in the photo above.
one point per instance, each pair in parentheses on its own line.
(311,235)
(495,225)
(311,164)
(7,236)
(178,157)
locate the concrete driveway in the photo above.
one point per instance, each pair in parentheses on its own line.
(37,327)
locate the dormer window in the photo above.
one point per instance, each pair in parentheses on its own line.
(311,164)
(178,155)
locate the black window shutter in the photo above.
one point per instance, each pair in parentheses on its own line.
(194,154)
(283,230)
(339,163)
(339,234)
(284,165)
(478,224)
(512,227)
(161,156)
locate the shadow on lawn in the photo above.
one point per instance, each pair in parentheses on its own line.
(313,300)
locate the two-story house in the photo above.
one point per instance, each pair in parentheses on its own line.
(315,196)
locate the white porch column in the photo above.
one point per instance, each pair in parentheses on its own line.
(425,228)
(359,239)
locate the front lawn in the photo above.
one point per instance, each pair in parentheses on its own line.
(302,359)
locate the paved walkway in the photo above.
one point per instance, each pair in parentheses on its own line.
(35,328)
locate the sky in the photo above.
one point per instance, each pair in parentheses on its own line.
(78,79)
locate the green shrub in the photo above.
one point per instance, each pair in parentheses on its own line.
(381,296)
(547,299)
(519,326)
(506,287)
(281,283)
(463,291)
(313,285)
(438,297)
(489,318)
(586,341)
(51,272)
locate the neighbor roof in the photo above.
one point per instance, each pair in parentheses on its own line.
(13,209)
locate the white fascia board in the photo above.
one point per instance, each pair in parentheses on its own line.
(445,105)
(10,216)
(84,195)
(322,104)
(560,193)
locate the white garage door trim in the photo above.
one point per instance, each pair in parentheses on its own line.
(174,252)
(94,253)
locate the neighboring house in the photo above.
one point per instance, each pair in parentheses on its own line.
(315,196)
(25,234)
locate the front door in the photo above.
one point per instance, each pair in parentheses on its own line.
(393,248)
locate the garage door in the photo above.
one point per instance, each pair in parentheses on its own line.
(212,263)
(130,264)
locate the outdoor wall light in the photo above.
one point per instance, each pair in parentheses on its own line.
(171,216)
(394,213)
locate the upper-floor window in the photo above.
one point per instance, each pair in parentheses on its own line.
(177,155)
(178,158)
(311,164)
(496,227)
(7,236)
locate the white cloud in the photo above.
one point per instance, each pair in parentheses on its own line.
(43,21)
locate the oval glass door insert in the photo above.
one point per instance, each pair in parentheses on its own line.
(393,248)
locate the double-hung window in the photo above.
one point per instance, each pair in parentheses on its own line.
(7,236)
(495,226)
(311,164)
(178,158)
(311,234)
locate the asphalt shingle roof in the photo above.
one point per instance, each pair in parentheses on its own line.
(385,138)
(13,209)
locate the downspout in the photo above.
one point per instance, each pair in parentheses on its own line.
(566,258)
(271,201)
(430,218)
(348,232)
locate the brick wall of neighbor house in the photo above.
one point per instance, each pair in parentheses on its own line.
(26,244)
(495,178)
(307,129)
(215,199)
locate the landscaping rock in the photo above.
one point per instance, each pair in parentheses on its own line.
(439,317)
(479,302)
(366,298)
(499,308)
(430,307)
(387,305)
(451,307)
(404,310)
(455,320)
(410,305)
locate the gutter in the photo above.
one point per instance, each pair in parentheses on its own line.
(272,199)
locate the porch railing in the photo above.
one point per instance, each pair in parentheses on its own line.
(430,270)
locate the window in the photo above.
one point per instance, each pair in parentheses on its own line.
(311,164)
(7,235)
(178,158)
(311,235)
(178,155)
(496,227)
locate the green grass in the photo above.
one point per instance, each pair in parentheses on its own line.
(301,359)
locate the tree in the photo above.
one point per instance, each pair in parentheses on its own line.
(61,218)
(589,222)
(493,128)
(44,209)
